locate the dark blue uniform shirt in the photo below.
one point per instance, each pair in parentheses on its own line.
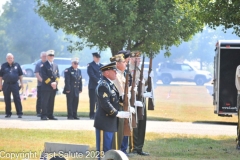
(10,74)
(94,74)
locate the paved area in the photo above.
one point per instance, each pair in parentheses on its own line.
(33,122)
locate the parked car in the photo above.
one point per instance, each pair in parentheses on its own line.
(168,72)
(62,63)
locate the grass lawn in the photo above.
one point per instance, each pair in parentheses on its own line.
(172,103)
(160,146)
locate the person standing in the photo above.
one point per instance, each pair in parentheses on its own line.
(95,76)
(50,78)
(137,139)
(10,73)
(72,88)
(106,122)
(237,84)
(37,72)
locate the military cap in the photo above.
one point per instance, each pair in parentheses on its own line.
(75,59)
(117,58)
(96,54)
(110,66)
(135,54)
(125,53)
(50,53)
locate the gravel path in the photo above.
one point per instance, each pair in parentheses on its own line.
(33,122)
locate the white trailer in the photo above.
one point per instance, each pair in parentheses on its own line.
(226,60)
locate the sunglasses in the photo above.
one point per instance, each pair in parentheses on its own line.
(75,63)
(51,55)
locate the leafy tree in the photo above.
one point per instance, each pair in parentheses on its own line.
(146,25)
(25,34)
(216,13)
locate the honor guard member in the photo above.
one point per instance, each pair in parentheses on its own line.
(124,143)
(50,78)
(138,136)
(95,75)
(106,122)
(10,73)
(37,72)
(72,88)
(237,83)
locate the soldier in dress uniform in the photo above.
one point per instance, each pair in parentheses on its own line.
(137,139)
(10,73)
(95,76)
(72,88)
(106,122)
(50,78)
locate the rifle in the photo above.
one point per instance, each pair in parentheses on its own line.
(140,87)
(133,94)
(127,123)
(150,86)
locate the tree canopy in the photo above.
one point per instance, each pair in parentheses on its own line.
(145,25)
(224,13)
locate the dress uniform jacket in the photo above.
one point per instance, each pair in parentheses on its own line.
(94,74)
(73,81)
(49,74)
(107,99)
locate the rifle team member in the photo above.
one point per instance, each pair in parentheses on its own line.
(138,136)
(37,72)
(237,83)
(50,78)
(106,122)
(10,73)
(72,88)
(95,76)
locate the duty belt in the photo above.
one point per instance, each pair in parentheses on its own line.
(10,82)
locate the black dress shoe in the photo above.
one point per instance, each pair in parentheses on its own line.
(52,118)
(39,115)
(19,116)
(92,117)
(8,116)
(143,153)
(44,118)
(76,118)
(70,118)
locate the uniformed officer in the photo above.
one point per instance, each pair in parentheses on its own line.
(237,84)
(72,88)
(37,72)
(95,75)
(50,78)
(107,112)
(10,73)
(137,139)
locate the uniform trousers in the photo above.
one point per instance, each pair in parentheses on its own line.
(72,104)
(92,99)
(47,102)
(14,89)
(38,104)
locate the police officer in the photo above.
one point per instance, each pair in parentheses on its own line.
(50,78)
(10,73)
(95,75)
(72,88)
(107,112)
(138,137)
(37,72)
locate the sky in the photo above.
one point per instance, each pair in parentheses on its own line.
(2,2)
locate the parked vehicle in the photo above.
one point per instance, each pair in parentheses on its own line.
(62,63)
(168,72)
(226,60)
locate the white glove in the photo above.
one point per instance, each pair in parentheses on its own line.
(135,88)
(152,74)
(132,110)
(123,114)
(129,95)
(147,94)
(138,104)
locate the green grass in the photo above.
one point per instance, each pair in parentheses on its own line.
(160,146)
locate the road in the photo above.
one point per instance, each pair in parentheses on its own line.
(33,122)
